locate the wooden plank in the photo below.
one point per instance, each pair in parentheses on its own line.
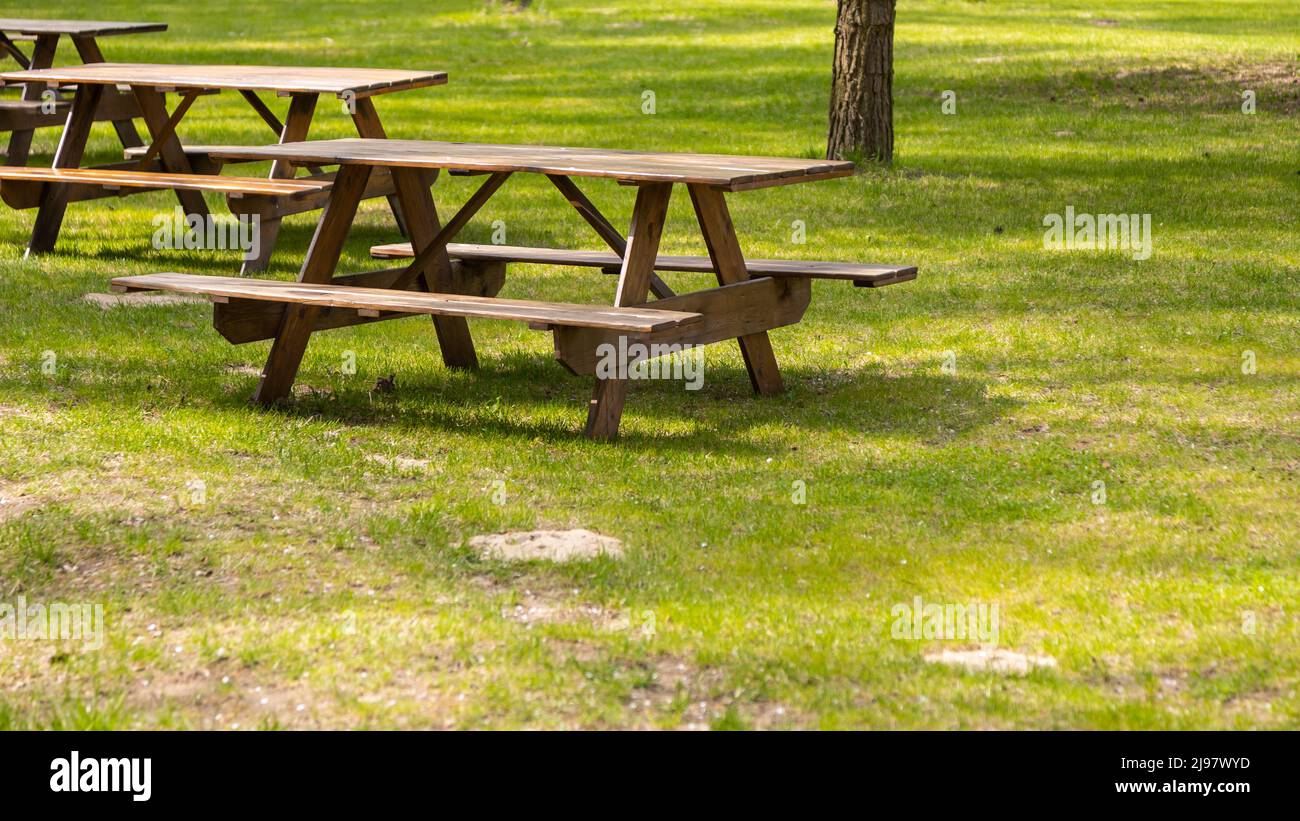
(729,265)
(731,311)
(637,319)
(25,115)
(860,273)
(192,151)
(244,320)
(19,115)
(357,82)
(605,410)
(718,170)
(237,186)
(94,28)
(380,184)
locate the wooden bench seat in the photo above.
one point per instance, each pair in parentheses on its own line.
(860,274)
(373,301)
(21,114)
(193,151)
(125,178)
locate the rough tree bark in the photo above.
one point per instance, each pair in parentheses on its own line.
(862,82)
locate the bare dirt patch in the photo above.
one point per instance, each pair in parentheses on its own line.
(994,660)
(15,500)
(1276,86)
(546,545)
(555,607)
(398,462)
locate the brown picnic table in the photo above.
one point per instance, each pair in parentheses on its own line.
(190,170)
(22,116)
(453,281)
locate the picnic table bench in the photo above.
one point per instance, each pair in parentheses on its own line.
(452,281)
(166,163)
(23,116)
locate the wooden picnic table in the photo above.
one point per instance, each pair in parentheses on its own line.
(452,281)
(22,116)
(355,87)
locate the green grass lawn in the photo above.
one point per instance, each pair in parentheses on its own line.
(324,580)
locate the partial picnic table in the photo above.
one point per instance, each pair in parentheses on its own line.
(23,116)
(460,281)
(355,87)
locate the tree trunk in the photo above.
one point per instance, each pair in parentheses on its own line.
(862,83)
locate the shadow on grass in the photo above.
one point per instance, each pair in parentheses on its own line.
(505,396)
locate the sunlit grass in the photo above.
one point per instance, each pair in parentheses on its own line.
(324,570)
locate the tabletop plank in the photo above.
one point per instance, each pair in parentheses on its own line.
(79,28)
(719,170)
(360,82)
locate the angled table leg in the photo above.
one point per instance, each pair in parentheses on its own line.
(20,141)
(602,226)
(368,124)
(153,108)
(322,259)
(90,53)
(454,338)
(606,407)
(729,264)
(13,51)
(302,107)
(72,145)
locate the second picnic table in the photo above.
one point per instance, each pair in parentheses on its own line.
(753,297)
(40,107)
(50,191)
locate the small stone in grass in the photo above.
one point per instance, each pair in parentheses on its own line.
(546,545)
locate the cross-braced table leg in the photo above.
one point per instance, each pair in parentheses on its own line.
(648,215)
(167,146)
(125,128)
(729,264)
(20,141)
(302,107)
(368,125)
(72,145)
(417,204)
(322,259)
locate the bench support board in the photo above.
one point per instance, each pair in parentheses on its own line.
(737,310)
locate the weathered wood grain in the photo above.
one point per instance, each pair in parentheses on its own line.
(340,81)
(720,170)
(629,320)
(860,273)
